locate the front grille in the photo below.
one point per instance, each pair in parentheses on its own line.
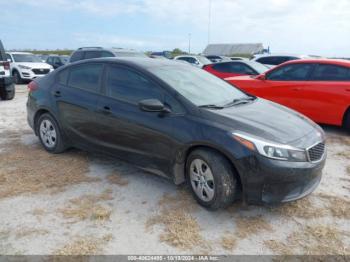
(316,152)
(41,71)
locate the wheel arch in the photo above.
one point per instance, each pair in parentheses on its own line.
(37,115)
(180,168)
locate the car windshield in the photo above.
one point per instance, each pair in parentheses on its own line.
(26,58)
(130,54)
(198,86)
(260,68)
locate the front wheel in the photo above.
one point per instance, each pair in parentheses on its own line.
(6,95)
(211,178)
(50,134)
(17,78)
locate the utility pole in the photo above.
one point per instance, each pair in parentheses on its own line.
(209,21)
(189,43)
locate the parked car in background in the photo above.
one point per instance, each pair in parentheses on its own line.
(235,68)
(26,66)
(57,60)
(195,60)
(180,122)
(235,58)
(165,54)
(217,58)
(43,58)
(272,60)
(318,88)
(7,88)
(98,52)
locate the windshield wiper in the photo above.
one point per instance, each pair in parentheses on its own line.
(211,106)
(242,100)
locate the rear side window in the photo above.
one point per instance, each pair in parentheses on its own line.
(294,72)
(275,60)
(128,85)
(92,54)
(107,54)
(63,77)
(76,56)
(86,77)
(325,72)
(234,67)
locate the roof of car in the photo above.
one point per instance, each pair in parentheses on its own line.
(138,61)
(342,62)
(19,53)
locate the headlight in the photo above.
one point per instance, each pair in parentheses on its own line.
(271,149)
(24,67)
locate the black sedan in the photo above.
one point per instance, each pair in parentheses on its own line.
(182,123)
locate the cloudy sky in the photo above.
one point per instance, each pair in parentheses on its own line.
(320,27)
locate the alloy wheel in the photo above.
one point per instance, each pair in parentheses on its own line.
(48,133)
(202,180)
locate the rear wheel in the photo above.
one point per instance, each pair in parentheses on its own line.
(347,120)
(211,178)
(5,95)
(50,134)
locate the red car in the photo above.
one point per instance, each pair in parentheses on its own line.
(319,89)
(235,68)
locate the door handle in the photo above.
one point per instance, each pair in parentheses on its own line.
(348,89)
(57,93)
(296,88)
(106,110)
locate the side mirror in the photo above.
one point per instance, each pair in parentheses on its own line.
(153,105)
(9,60)
(261,77)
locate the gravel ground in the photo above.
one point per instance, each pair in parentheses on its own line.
(80,203)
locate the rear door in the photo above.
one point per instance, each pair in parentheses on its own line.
(75,93)
(328,95)
(284,85)
(144,138)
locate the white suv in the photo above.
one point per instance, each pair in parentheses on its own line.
(26,66)
(272,60)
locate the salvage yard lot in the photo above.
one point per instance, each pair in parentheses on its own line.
(82,203)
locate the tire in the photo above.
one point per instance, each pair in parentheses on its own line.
(347,120)
(5,95)
(212,180)
(50,134)
(17,77)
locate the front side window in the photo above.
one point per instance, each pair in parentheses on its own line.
(86,77)
(325,72)
(293,72)
(125,84)
(63,77)
(197,85)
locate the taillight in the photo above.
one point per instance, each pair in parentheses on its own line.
(32,86)
(6,65)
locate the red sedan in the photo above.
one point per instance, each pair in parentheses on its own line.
(235,68)
(319,89)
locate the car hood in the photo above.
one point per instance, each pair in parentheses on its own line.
(35,65)
(266,120)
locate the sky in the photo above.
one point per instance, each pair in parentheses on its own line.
(318,27)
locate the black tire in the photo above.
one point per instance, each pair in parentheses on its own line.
(225,186)
(59,143)
(17,77)
(347,120)
(5,95)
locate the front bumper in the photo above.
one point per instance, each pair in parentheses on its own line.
(30,75)
(268,181)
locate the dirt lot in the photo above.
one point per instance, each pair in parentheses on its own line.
(79,203)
